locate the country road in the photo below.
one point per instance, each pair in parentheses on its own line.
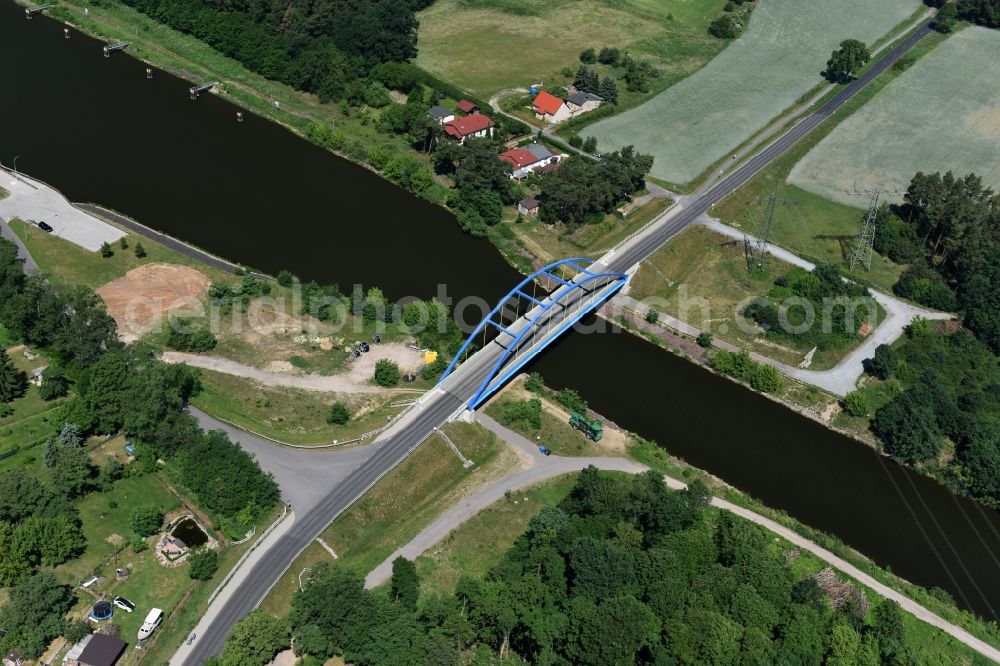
(440,404)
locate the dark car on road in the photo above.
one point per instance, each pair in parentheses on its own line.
(44,226)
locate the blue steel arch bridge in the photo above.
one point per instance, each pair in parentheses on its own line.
(581,286)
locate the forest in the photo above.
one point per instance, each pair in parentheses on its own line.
(327,47)
(623,571)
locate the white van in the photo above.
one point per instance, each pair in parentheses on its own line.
(152,621)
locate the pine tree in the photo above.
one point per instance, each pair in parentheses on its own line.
(580,80)
(51,455)
(70,436)
(608,90)
(13,382)
(405,586)
(591,83)
(140,251)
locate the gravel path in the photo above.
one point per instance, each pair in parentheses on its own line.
(329,383)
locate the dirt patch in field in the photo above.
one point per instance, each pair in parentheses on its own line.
(362,369)
(141,298)
(985,121)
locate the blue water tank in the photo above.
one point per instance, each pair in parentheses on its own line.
(534,90)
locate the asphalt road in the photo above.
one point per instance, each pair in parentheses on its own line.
(439,405)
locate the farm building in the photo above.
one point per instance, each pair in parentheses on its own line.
(475,126)
(525,160)
(550,108)
(440,114)
(528,206)
(467,107)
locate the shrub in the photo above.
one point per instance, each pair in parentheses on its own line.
(590,144)
(856,404)
(339,414)
(576,141)
(883,364)
(527,413)
(570,399)
(140,251)
(106,250)
(123,243)
(609,55)
(652,316)
(203,564)
(534,382)
(146,520)
(76,630)
(588,56)
(765,378)
(704,339)
(285,278)
(182,338)
(138,543)
(386,372)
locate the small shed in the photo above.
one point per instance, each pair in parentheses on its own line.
(13,658)
(528,206)
(102,650)
(465,106)
(440,114)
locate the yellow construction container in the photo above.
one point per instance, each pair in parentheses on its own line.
(430,357)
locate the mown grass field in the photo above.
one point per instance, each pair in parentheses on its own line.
(489,45)
(942,114)
(289,415)
(70,264)
(780,57)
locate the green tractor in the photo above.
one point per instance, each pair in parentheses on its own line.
(591,428)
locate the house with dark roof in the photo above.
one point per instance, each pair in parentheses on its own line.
(550,108)
(526,159)
(581,102)
(528,206)
(102,650)
(476,126)
(440,114)
(467,107)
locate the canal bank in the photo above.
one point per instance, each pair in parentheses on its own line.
(100,131)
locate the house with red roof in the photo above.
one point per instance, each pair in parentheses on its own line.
(475,126)
(550,108)
(526,159)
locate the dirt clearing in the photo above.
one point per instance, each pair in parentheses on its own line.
(362,369)
(141,298)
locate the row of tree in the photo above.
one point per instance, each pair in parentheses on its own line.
(623,571)
(327,47)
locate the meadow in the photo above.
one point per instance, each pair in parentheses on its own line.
(488,45)
(701,119)
(942,114)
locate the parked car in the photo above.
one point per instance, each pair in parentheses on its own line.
(545,450)
(150,624)
(124,604)
(44,226)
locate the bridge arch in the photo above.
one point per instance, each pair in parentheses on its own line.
(573,298)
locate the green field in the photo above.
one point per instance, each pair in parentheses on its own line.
(942,114)
(700,120)
(488,45)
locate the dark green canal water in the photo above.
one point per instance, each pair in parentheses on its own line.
(101,132)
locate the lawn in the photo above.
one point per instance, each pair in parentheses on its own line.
(780,57)
(942,114)
(407,499)
(289,415)
(473,547)
(489,45)
(70,264)
(31,419)
(549,242)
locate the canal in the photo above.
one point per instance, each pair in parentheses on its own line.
(101,132)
